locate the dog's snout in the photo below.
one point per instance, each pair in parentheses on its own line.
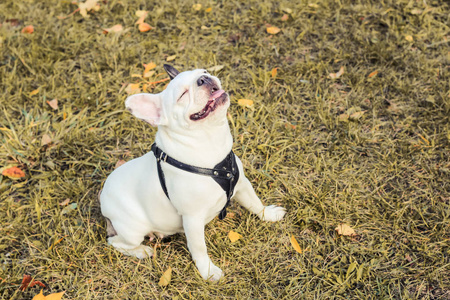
(202,80)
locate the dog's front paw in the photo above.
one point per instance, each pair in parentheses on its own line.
(272,213)
(210,272)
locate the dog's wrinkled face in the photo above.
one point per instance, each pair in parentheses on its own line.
(191,98)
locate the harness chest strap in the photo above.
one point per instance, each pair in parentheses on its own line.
(225,173)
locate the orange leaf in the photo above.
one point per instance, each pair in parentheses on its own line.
(28,29)
(273,30)
(234,236)
(34,92)
(13,173)
(295,244)
(144,27)
(245,102)
(53,103)
(114,29)
(56,296)
(25,282)
(209,9)
(374,73)
(150,66)
(133,88)
(274,72)
(409,38)
(338,74)
(285,17)
(65,202)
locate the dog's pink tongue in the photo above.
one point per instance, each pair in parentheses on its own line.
(216,94)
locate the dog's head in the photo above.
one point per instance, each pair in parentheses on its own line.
(191,98)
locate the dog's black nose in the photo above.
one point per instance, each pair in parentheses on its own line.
(203,79)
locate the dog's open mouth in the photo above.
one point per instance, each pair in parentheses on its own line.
(217,98)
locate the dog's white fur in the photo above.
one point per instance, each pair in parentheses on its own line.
(132,197)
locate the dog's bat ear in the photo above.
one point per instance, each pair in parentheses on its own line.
(146,107)
(171,71)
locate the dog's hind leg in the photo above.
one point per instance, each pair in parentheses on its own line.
(130,248)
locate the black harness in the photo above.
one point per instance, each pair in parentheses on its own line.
(225,173)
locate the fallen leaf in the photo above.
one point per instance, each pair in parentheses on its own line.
(356,115)
(65,202)
(344,229)
(209,9)
(313,5)
(87,6)
(13,173)
(338,74)
(114,29)
(25,282)
(144,27)
(285,17)
(119,163)
(166,277)
(172,57)
(409,38)
(34,92)
(273,30)
(150,66)
(133,88)
(245,102)
(141,13)
(343,117)
(148,75)
(46,139)
(197,6)
(69,208)
(416,11)
(374,73)
(13,22)
(53,103)
(28,29)
(216,68)
(274,72)
(234,236)
(55,296)
(295,244)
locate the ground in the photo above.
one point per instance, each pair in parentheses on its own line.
(349,125)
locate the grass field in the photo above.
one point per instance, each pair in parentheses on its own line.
(368,148)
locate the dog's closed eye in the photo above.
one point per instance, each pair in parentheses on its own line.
(182,95)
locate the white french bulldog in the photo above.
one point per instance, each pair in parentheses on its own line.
(176,191)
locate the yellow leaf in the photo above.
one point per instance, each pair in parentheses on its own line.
(374,73)
(295,244)
(87,6)
(34,92)
(46,139)
(166,277)
(56,296)
(245,102)
(144,27)
(133,88)
(338,74)
(344,229)
(409,38)
(274,72)
(209,9)
(357,115)
(150,66)
(273,30)
(197,6)
(313,5)
(234,236)
(114,29)
(53,103)
(170,58)
(149,74)
(343,117)
(141,13)
(13,173)
(416,11)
